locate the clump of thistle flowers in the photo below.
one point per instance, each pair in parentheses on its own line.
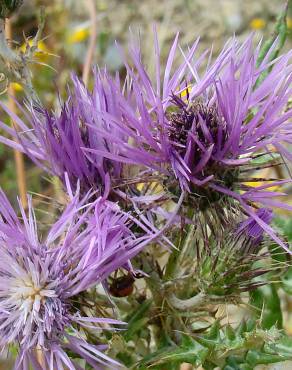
(163,227)
(205,133)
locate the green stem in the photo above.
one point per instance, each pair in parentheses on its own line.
(187,304)
(183,245)
(280,32)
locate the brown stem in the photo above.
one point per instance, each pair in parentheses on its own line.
(92,41)
(18,157)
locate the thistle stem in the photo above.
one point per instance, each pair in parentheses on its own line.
(186,304)
(92,41)
(5,51)
(18,156)
(175,256)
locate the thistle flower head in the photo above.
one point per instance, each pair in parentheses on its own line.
(55,141)
(226,256)
(40,280)
(202,133)
(205,133)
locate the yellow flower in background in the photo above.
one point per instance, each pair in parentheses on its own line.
(41,54)
(289,23)
(186,91)
(257,23)
(78,35)
(16,86)
(255,184)
(265,174)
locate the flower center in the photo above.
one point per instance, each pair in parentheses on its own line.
(197,125)
(198,134)
(28,294)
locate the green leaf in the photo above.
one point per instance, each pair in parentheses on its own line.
(236,363)
(230,333)
(283,347)
(189,351)
(268,307)
(214,331)
(287,281)
(285,226)
(141,311)
(125,358)
(212,338)
(138,320)
(255,358)
(277,350)
(135,327)
(228,348)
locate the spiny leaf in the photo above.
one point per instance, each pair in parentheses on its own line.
(230,332)
(189,351)
(255,358)
(223,346)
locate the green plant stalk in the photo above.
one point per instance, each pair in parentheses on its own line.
(183,244)
(280,33)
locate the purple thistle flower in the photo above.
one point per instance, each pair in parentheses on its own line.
(230,250)
(252,230)
(40,280)
(54,141)
(207,142)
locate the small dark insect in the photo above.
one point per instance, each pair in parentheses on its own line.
(123,286)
